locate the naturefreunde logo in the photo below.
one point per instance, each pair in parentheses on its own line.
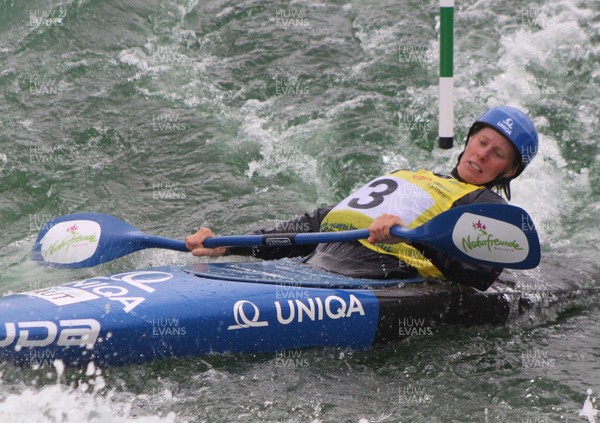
(489,239)
(70,242)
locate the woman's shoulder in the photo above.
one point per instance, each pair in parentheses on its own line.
(483,195)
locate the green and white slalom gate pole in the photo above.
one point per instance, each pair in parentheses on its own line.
(446,122)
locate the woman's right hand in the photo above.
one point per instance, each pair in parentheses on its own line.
(195,243)
(379,230)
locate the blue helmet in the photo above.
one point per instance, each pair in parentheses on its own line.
(516,127)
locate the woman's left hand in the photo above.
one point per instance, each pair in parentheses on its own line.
(379,230)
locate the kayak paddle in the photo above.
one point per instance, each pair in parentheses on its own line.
(87,239)
(498,235)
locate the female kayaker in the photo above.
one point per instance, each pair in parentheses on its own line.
(500,144)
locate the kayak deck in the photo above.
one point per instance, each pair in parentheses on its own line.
(140,316)
(288,272)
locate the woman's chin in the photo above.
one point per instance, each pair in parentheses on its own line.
(470,175)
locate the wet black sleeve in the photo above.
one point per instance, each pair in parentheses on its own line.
(309,222)
(477,276)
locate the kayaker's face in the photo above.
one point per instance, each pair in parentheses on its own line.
(487,156)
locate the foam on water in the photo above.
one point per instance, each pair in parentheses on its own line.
(88,402)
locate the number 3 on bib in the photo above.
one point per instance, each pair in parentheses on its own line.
(376,196)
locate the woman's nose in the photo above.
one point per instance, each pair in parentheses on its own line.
(483,154)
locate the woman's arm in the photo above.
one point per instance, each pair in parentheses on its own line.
(308,222)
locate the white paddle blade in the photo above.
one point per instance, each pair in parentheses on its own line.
(70,242)
(488,239)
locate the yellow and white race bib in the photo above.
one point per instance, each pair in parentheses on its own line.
(414,196)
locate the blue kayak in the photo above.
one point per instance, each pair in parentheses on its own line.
(144,315)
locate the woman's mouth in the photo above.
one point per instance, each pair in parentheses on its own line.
(476,167)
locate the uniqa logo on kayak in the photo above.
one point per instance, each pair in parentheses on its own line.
(474,235)
(247,314)
(70,242)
